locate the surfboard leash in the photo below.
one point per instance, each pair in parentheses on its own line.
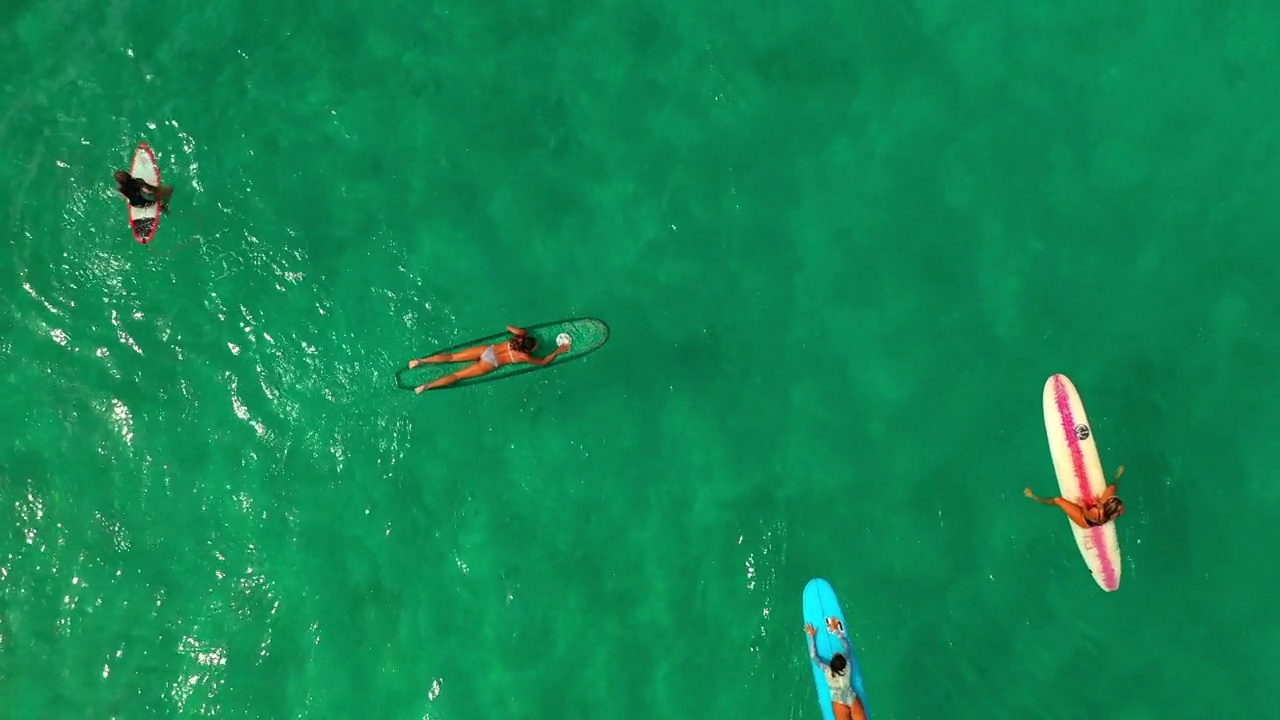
(198,236)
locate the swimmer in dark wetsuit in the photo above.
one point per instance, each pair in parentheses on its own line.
(142,194)
(1106,509)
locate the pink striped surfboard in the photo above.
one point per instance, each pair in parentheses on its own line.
(1080,476)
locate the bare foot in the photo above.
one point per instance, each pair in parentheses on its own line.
(419,389)
(414,363)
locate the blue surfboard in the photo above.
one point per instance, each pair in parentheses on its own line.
(820,603)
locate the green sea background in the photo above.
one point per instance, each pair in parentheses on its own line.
(840,247)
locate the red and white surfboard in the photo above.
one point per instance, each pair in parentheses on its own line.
(1080,476)
(145,221)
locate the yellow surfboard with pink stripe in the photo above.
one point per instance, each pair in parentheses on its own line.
(1080,476)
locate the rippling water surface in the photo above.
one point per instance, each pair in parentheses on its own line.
(840,249)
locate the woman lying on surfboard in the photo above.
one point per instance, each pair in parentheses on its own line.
(1106,509)
(845,703)
(140,193)
(487,358)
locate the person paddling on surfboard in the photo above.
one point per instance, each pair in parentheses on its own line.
(845,702)
(140,193)
(487,358)
(1106,509)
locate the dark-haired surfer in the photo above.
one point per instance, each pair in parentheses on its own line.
(487,358)
(845,703)
(142,194)
(1106,509)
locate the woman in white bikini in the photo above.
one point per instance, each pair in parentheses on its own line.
(487,358)
(845,703)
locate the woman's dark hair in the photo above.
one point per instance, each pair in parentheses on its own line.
(524,343)
(838,664)
(122,176)
(1112,508)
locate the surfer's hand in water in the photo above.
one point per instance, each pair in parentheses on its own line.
(1119,472)
(808,628)
(1028,493)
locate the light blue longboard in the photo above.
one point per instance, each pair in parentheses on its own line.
(820,603)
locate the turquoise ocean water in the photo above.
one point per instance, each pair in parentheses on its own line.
(840,247)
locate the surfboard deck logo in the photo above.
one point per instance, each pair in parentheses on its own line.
(145,221)
(819,603)
(587,334)
(1074,450)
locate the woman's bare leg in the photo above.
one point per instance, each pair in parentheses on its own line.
(474,370)
(468,355)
